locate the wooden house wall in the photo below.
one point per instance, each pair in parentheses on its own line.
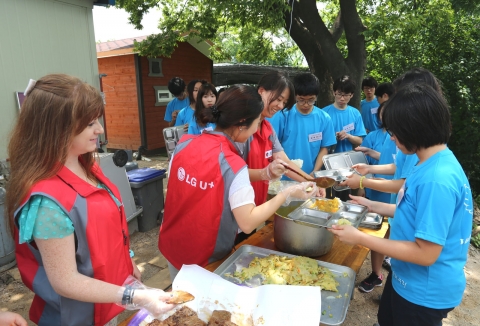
(187,63)
(121,110)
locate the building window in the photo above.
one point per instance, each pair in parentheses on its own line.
(155,67)
(162,95)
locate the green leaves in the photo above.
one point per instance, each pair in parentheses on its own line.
(256,25)
(440,35)
(444,41)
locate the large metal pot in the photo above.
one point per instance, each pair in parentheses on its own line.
(300,238)
(273,189)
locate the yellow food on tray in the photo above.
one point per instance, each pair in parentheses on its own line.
(327,205)
(344,221)
(292,271)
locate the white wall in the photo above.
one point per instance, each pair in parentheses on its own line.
(39,37)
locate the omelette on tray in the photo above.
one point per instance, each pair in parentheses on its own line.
(290,271)
(327,205)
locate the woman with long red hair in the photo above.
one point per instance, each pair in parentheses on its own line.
(68,219)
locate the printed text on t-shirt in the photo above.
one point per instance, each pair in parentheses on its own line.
(402,282)
(315,137)
(349,127)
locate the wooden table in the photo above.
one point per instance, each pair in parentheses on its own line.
(340,254)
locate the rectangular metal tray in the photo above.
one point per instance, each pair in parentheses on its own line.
(331,305)
(311,202)
(372,221)
(310,216)
(344,160)
(354,218)
(354,208)
(344,207)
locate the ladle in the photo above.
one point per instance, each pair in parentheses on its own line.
(324,182)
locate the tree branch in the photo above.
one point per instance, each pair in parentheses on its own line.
(337,28)
(354,29)
(306,11)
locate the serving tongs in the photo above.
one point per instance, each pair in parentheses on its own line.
(322,182)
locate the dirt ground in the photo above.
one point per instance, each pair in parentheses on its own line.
(14,296)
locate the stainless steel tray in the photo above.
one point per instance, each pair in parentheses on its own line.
(372,221)
(354,218)
(331,305)
(344,160)
(354,208)
(309,203)
(310,216)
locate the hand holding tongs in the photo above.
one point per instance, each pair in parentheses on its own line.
(322,182)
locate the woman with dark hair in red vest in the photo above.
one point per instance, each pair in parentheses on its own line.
(67,217)
(262,151)
(210,195)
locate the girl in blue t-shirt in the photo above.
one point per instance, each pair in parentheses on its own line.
(186,114)
(430,232)
(206,98)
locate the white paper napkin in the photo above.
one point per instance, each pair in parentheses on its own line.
(267,305)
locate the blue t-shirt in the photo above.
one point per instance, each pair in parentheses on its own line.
(404,166)
(195,129)
(387,150)
(369,114)
(374,140)
(303,135)
(349,120)
(184,116)
(435,205)
(175,105)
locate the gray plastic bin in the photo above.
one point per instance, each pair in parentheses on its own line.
(7,244)
(149,195)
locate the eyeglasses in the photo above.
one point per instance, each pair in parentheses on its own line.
(389,132)
(303,102)
(345,96)
(366,88)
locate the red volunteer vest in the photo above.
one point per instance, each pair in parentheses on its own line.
(260,149)
(198,225)
(102,249)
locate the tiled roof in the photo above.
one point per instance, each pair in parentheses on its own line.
(118,44)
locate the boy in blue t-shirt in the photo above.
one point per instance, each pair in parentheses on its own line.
(177,87)
(347,121)
(369,106)
(304,130)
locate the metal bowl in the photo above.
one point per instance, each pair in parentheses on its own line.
(299,237)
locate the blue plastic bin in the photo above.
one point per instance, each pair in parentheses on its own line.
(147,190)
(143,174)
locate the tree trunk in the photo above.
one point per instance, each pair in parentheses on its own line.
(318,44)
